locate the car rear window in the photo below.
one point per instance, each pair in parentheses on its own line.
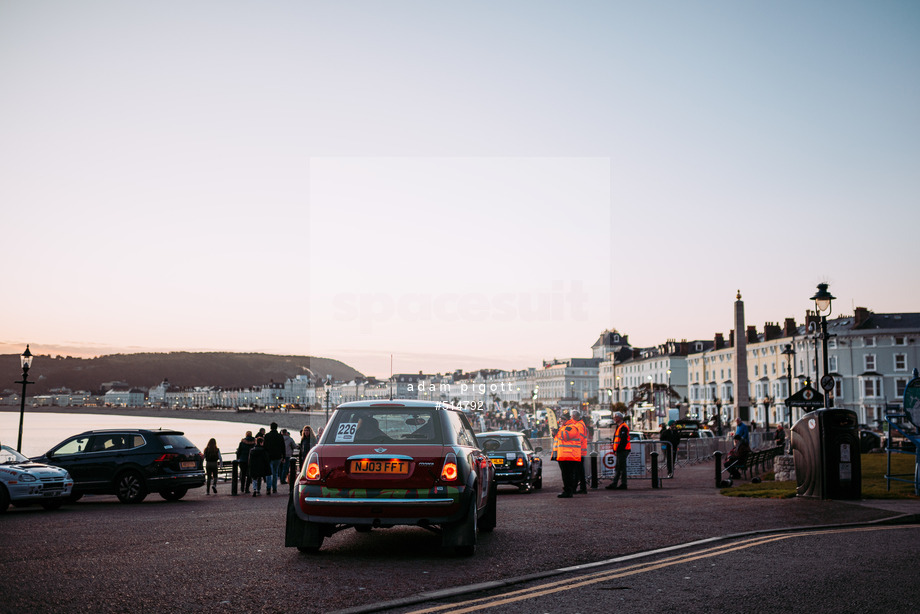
(499,444)
(385,425)
(175,442)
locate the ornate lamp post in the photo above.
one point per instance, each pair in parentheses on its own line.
(822,299)
(789,352)
(25,360)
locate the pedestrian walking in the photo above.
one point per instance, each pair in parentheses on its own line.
(212,461)
(307,440)
(242,460)
(671,436)
(259,468)
(290,453)
(567,447)
(274,447)
(621,448)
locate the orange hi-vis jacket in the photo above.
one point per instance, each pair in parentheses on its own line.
(568,442)
(619,436)
(584,437)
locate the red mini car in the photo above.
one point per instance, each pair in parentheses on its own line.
(388,463)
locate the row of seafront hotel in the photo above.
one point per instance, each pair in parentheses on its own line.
(870,357)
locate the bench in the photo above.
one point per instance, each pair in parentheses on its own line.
(757,461)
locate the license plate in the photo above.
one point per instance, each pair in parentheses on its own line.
(498,461)
(187,465)
(52,493)
(397,467)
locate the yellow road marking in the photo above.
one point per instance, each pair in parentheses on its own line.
(558,586)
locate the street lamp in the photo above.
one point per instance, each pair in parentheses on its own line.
(668,393)
(651,396)
(26,361)
(789,352)
(618,389)
(327,387)
(822,299)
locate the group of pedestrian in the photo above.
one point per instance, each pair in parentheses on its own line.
(570,450)
(267,458)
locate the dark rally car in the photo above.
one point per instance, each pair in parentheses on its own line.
(381,464)
(515,459)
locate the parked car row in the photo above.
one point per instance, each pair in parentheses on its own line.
(127,463)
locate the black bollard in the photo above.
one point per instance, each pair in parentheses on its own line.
(594,470)
(234,475)
(718,456)
(655,482)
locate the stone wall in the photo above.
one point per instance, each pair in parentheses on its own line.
(784,468)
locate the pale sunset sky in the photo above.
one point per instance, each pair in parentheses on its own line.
(457,184)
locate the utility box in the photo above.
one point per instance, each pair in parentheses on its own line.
(826,448)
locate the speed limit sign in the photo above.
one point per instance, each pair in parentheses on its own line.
(609,460)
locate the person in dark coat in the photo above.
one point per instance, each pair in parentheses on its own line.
(307,441)
(259,468)
(242,459)
(737,456)
(671,436)
(274,447)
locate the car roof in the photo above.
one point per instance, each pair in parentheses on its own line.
(501,434)
(415,403)
(142,431)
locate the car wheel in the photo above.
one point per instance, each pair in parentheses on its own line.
(363,528)
(74,497)
(306,536)
(52,505)
(129,487)
(466,530)
(490,516)
(538,484)
(4,499)
(174,494)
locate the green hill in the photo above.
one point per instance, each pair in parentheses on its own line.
(183,369)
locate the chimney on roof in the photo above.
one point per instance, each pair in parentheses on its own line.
(719,342)
(731,338)
(860,316)
(751,334)
(789,327)
(771,331)
(812,318)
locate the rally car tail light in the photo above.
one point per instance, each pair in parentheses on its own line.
(450,473)
(520,461)
(312,472)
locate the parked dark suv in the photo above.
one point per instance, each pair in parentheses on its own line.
(129,463)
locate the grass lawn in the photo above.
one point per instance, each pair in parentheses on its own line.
(874,485)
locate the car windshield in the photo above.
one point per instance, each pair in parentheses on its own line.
(9,456)
(491,443)
(385,425)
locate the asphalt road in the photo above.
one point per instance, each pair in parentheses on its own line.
(220,553)
(869,569)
